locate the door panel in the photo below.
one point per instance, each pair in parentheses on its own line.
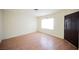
(71,28)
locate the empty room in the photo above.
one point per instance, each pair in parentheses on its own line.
(39,29)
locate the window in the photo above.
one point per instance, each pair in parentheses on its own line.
(47,23)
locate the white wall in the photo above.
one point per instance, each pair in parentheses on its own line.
(59,22)
(1,31)
(18,22)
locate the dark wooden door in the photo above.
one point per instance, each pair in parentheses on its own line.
(78,31)
(71,28)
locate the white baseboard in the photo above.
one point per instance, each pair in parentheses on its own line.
(0,40)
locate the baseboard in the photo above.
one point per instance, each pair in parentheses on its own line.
(71,44)
(0,41)
(18,36)
(51,35)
